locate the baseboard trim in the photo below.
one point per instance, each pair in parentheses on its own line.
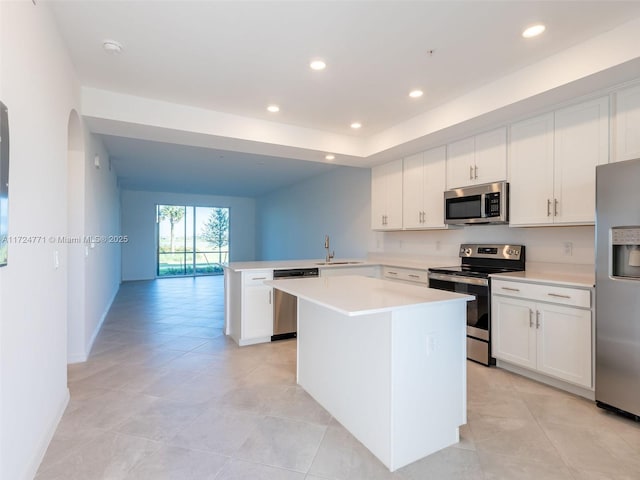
(80,358)
(538,377)
(41,449)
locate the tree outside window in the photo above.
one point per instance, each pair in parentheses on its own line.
(216,230)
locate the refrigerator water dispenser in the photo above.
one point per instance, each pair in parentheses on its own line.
(625,248)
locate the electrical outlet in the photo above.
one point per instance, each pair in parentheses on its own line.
(431,344)
(568,249)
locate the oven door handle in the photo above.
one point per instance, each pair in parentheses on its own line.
(458,279)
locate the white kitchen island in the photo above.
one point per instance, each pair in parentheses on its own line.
(387,360)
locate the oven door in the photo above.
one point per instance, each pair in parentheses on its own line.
(478,309)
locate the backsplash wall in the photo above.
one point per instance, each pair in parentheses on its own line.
(544,244)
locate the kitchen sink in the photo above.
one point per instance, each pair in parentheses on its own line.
(337,263)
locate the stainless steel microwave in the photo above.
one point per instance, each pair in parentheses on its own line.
(479,204)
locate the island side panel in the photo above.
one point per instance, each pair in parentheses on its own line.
(232,303)
(428,379)
(343,363)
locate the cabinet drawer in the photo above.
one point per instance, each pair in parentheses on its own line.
(256,277)
(406,275)
(543,293)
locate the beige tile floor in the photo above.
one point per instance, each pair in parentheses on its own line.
(165,395)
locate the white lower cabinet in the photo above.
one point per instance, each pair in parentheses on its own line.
(248,306)
(406,275)
(258,313)
(553,339)
(372,271)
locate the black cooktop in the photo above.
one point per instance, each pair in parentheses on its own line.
(481,260)
(470,271)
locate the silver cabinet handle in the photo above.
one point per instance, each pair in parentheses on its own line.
(555,207)
(557,295)
(475,172)
(548,207)
(537,318)
(392,273)
(414,276)
(530,318)
(470,172)
(510,289)
(258,278)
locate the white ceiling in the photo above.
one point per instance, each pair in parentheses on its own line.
(237,57)
(157,166)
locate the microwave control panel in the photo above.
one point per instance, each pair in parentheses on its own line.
(492,204)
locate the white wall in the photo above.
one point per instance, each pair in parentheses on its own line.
(103,260)
(293,221)
(40,89)
(544,244)
(139,224)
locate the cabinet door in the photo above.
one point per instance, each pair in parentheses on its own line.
(434,186)
(460,163)
(491,156)
(564,343)
(386,196)
(413,190)
(378,197)
(531,171)
(257,317)
(394,195)
(513,332)
(627,126)
(581,143)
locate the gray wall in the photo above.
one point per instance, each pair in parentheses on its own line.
(292,222)
(138,223)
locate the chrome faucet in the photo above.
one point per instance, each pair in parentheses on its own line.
(329,256)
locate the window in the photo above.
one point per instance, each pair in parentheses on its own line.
(191,240)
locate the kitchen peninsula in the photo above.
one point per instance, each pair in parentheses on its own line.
(387,360)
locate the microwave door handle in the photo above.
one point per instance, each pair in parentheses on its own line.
(483,204)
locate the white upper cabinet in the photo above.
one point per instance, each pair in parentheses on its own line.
(386,196)
(552,164)
(476,160)
(423,188)
(627,124)
(581,143)
(531,171)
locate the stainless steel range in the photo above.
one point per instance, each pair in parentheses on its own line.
(472,278)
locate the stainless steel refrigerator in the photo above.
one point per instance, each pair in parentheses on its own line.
(618,287)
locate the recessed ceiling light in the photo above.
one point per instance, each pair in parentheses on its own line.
(318,65)
(533,31)
(273,108)
(356,125)
(329,156)
(111,46)
(416,93)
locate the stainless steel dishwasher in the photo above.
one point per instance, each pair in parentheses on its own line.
(285,305)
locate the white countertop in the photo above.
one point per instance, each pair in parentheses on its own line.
(583,280)
(284,264)
(357,295)
(418,264)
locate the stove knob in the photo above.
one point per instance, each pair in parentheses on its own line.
(510,252)
(467,251)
